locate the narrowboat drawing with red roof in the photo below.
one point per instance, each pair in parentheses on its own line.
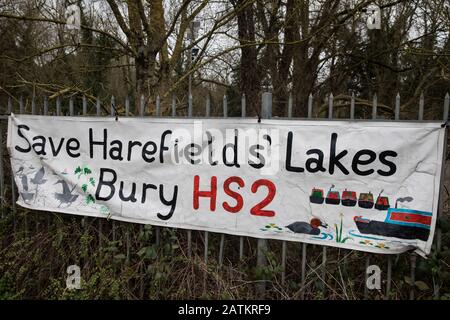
(366,200)
(332,196)
(316,196)
(382,202)
(399,223)
(349,198)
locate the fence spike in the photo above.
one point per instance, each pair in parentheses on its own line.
(397,106)
(174,105)
(374,106)
(71,111)
(413,275)
(388,278)
(158,106)
(330,106)
(206,247)
(290,105)
(58,106)
(45,106)
(84,105)
(127,106)
(352,106)
(33,104)
(446,106)
(10,107)
(98,106)
(142,106)
(208,106)
(21,105)
(225,106)
(303,270)
(310,105)
(190,106)
(421,106)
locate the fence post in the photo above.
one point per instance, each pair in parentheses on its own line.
(261,259)
(222,235)
(100,222)
(303,276)
(441,191)
(284,243)
(174,106)
(2,189)
(243,115)
(25,219)
(207,114)
(189,232)
(158,114)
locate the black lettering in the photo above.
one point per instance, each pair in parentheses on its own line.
(102,182)
(254,151)
(163,147)
(71,148)
(289,167)
(115,152)
(99,143)
(172,202)
(130,197)
(39,146)
(334,159)
(390,164)
(56,151)
(20,134)
(318,163)
(358,161)
(146,154)
(233,147)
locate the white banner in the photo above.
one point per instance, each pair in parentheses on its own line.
(370,186)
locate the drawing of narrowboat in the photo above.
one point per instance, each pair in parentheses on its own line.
(316,196)
(349,198)
(382,203)
(366,200)
(399,223)
(332,196)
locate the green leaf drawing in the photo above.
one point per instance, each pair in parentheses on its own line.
(78,170)
(84,187)
(90,199)
(92,181)
(86,170)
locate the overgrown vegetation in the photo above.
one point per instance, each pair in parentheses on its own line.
(127,263)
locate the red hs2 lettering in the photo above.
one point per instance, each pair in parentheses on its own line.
(257,210)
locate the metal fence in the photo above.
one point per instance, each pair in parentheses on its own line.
(83,106)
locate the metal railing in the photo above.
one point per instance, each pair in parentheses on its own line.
(80,107)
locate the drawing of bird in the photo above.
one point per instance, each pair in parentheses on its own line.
(26,196)
(66,196)
(39,177)
(311,228)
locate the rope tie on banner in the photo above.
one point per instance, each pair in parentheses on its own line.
(445,124)
(116,114)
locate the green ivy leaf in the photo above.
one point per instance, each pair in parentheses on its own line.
(78,170)
(87,170)
(92,181)
(90,199)
(84,187)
